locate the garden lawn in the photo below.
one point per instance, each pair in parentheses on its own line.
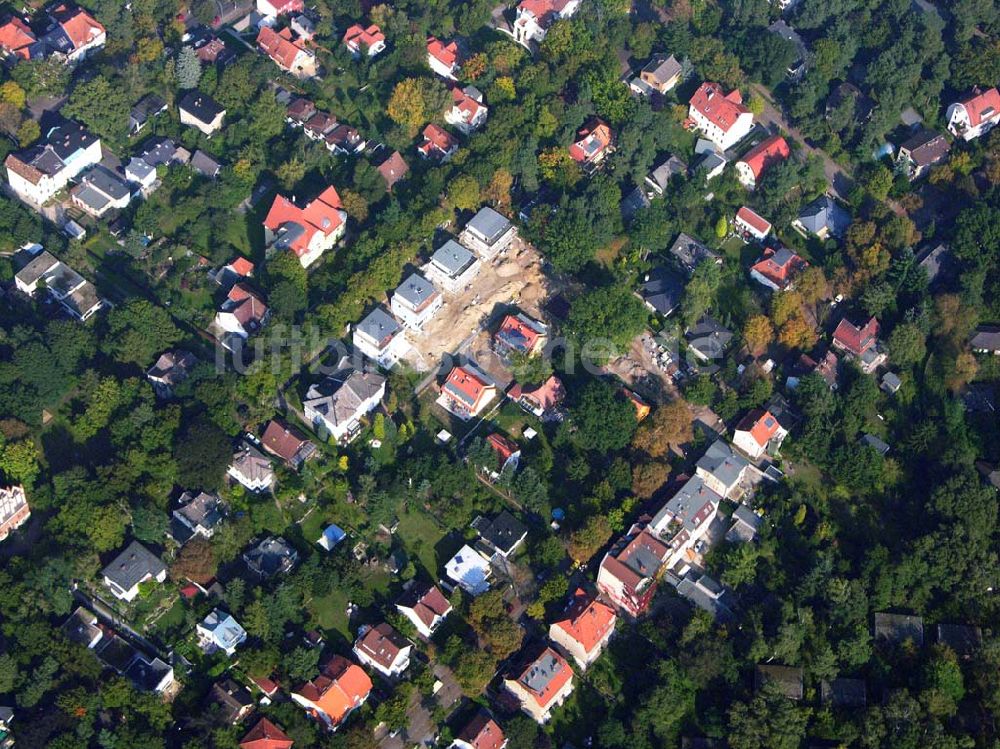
(420,535)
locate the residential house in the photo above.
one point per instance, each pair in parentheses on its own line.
(393,170)
(265,734)
(541,401)
(540,680)
(319,126)
(242,315)
(100,190)
(452,267)
(506,456)
(299,112)
(629,571)
(369,40)
(289,52)
(467,113)
(849,693)
(788,679)
(488,233)
(986,340)
(75,294)
(170,370)
(17,40)
(425,606)
(82,628)
(304,26)
(415,301)
(777,269)
(689,253)
(723,471)
(963,640)
(308,231)
(659,76)
(633,202)
(592,144)
(861,105)
(466,392)
(159,151)
(585,630)
(14,509)
(519,334)
(659,179)
(662,291)
(707,594)
(438,143)
(234,700)
(974,116)
(442,58)
(133,566)
(6,718)
(196,515)
(918,153)
(482,732)
(822,218)
(936,261)
(860,342)
(826,367)
(72,34)
(501,536)
(271,9)
(272,556)
(722,118)
(746,525)
(710,164)
(381,647)
(220,632)
(37,173)
(470,570)
(708,339)
(141,173)
(758,433)
(336,406)
(251,468)
(749,223)
(340,689)
(287,443)
(143,111)
(213,50)
(797,68)
(760,158)
(380,338)
(205,165)
(534,18)
(899,628)
(891,383)
(201,111)
(684,520)
(344,140)
(876,444)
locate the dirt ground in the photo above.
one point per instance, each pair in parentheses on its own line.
(640,371)
(513,279)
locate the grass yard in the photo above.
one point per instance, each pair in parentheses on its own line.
(331,612)
(420,535)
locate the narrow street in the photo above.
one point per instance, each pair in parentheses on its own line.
(836,176)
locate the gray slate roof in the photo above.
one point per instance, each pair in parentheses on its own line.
(379,325)
(824,212)
(663,69)
(339,397)
(720,461)
(452,258)
(690,253)
(132,565)
(663,291)
(415,289)
(662,174)
(489,224)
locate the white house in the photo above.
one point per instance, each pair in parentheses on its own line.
(141,173)
(975,116)
(336,406)
(380,338)
(243,314)
(39,172)
(381,647)
(372,39)
(467,113)
(288,51)
(685,519)
(470,570)
(442,58)
(77,295)
(452,267)
(415,301)
(757,433)
(100,190)
(201,111)
(130,569)
(488,233)
(251,468)
(534,18)
(749,223)
(585,628)
(74,33)
(308,231)
(722,118)
(540,680)
(425,606)
(219,631)
(271,9)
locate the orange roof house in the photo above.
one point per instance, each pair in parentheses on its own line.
(586,628)
(341,688)
(438,143)
(722,118)
(778,269)
(16,38)
(749,222)
(520,334)
(757,432)
(288,52)
(287,443)
(266,735)
(466,392)
(308,231)
(761,157)
(443,58)
(974,116)
(592,143)
(82,28)
(541,399)
(540,681)
(393,170)
(370,38)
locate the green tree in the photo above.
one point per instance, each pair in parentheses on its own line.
(188,68)
(768,721)
(102,106)
(202,453)
(138,330)
(604,420)
(604,321)
(907,344)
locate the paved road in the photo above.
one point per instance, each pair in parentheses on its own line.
(836,176)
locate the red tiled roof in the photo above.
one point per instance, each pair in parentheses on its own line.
(722,110)
(553,685)
(341,687)
(754,220)
(241,266)
(591,140)
(250,308)
(393,169)
(446,54)
(587,620)
(464,103)
(282,440)
(266,735)
(382,643)
(356,36)
(210,51)
(617,564)
(482,732)
(982,106)
(467,383)
(81,27)
(16,36)
(769,151)
(502,446)
(427,602)
(547,395)
(437,138)
(543,10)
(283,7)
(780,273)
(280,46)
(519,328)
(322,215)
(761,425)
(854,339)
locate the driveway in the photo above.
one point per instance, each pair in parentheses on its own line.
(839,180)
